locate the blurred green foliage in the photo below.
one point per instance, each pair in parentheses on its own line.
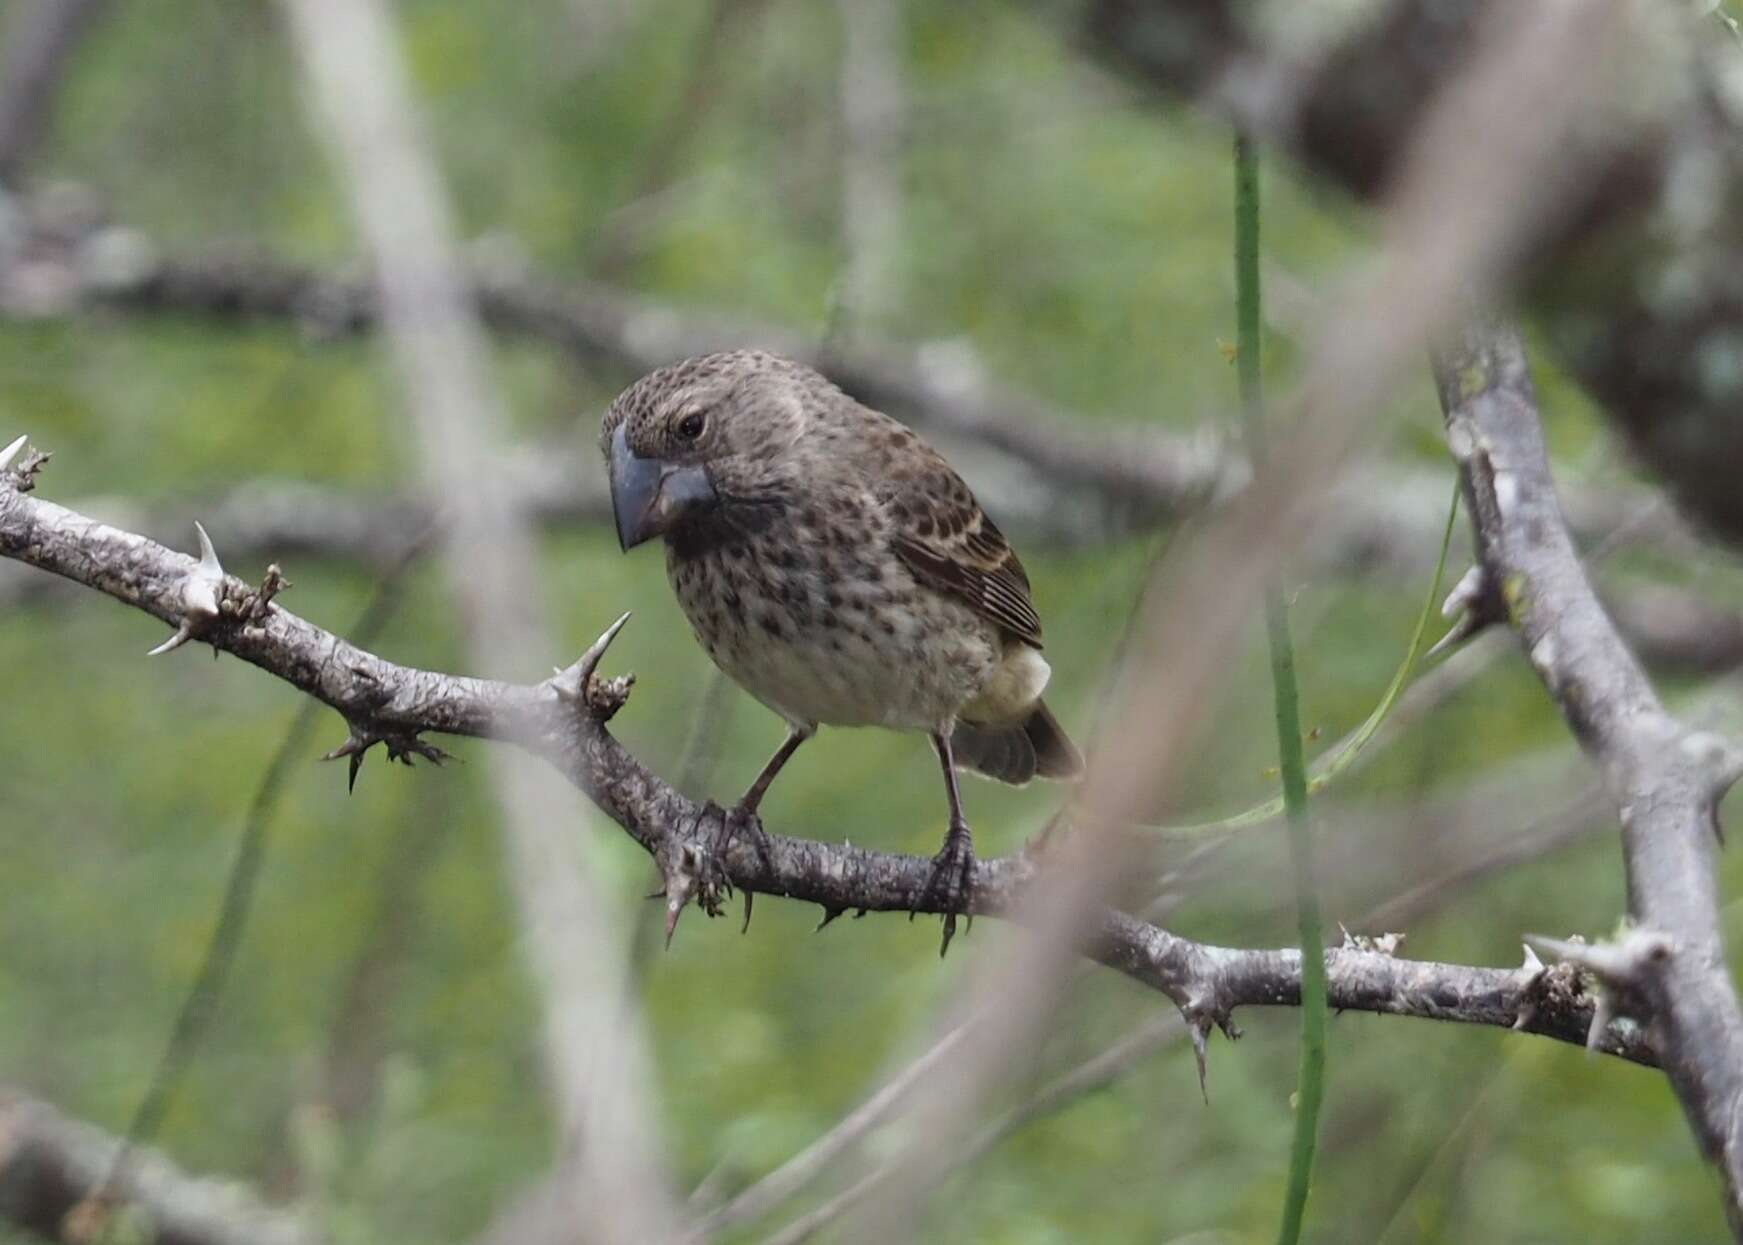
(1080,239)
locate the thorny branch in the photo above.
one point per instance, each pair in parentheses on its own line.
(563,720)
(1665,779)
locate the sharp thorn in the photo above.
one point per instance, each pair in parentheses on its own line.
(829,914)
(590,659)
(11,452)
(209,563)
(184,632)
(673,909)
(749,898)
(345,749)
(351,778)
(1200,1030)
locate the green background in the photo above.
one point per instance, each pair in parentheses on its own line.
(1079,238)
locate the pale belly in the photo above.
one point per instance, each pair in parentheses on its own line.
(843,649)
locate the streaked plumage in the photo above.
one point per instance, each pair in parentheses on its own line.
(836,567)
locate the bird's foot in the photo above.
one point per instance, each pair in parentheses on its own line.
(741,822)
(951,884)
(693,863)
(735,823)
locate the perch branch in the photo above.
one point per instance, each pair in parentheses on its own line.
(563,720)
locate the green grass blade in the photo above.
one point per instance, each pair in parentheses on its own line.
(1291,757)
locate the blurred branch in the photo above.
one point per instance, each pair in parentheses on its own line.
(1637,277)
(200,1003)
(1666,779)
(941,387)
(873,118)
(711,67)
(596,1058)
(797,1173)
(1076,479)
(357,1040)
(1377,522)
(39,39)
(51,1166)
(564,720)
(1675,631)
(274,518)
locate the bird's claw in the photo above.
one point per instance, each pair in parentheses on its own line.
(697,869)
(741,822)
(951,885)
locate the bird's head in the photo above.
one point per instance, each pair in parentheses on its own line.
(713,432)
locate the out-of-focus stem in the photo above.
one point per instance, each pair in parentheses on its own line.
(1292,761)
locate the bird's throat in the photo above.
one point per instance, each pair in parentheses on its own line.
(729,525)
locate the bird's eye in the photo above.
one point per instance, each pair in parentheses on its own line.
(690,427)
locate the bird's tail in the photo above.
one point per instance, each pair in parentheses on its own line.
(1036,747)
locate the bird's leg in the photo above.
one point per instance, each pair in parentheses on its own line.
(952,877)
(753,796)
(742,817)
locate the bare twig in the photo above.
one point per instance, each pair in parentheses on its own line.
(1665,779)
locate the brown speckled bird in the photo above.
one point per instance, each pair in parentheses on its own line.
(836,567)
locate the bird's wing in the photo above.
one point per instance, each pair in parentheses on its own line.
(949,543)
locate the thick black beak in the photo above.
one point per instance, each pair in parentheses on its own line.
(649,497)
